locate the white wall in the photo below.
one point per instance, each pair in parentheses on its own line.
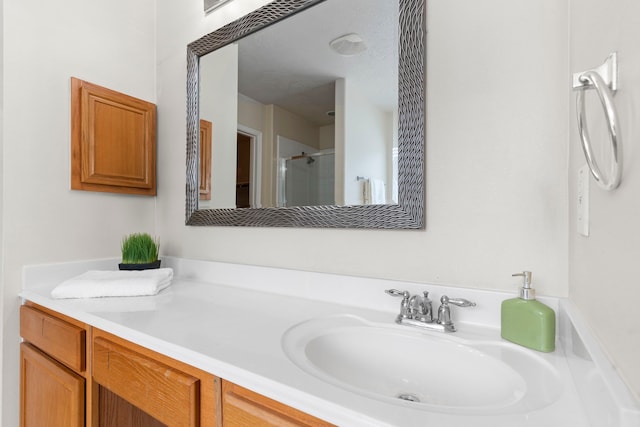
(2,293)
(45,43)
(602,267)
(368,143)
(496,148)
(250,112)
(219,105)
(340,141)
(327,137)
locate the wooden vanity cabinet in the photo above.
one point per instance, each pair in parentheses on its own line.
(242,407)
(52,369)
(74,375)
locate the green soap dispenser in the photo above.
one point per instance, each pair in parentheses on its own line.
(528,322)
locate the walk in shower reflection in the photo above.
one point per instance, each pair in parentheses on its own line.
(307,179)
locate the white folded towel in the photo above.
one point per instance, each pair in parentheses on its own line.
(96,283)
(377,192)
(373,192)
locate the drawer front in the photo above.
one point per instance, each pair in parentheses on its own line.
(61,340)
(242,407)
(170,396)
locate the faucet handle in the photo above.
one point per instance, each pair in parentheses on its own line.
(397,293)
(460,302)
(405,304)
(444,312)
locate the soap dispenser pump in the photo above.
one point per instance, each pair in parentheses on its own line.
(527,321)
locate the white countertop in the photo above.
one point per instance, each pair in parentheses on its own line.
(235,332)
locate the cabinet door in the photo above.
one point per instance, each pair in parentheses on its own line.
(165,393)
(242,407)
(51,395)
(113,141)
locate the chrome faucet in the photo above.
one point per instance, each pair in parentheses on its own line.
(422,307)
(405,304)
(417,310)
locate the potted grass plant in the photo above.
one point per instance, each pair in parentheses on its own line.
(139,252)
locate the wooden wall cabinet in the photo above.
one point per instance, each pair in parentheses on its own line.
(113,141)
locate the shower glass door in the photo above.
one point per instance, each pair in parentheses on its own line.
(309,180)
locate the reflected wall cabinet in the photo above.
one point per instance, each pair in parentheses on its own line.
(113,141)
(204,171)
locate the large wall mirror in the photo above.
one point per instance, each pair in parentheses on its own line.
(309,113)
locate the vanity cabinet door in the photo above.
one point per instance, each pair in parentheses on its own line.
(139,387)
(163,392)
(51,394)
(242,407)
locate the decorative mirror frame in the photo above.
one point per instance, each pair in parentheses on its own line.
(407,214)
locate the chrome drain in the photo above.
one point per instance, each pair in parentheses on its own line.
(409,397)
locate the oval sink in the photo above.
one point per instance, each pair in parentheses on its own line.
(409,367)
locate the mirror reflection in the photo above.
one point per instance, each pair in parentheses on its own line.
(304,112)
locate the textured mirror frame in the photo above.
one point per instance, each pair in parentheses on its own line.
(407,214)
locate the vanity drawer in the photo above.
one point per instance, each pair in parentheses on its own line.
(60,339)
(242,407)
(167,394)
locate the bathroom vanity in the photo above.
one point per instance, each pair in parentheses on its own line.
(125,384)
(226,344)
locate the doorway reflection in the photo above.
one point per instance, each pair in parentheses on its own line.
(243,171)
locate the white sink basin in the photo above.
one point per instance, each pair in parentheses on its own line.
(434,372)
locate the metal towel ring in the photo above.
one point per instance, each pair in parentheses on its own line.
(593,79)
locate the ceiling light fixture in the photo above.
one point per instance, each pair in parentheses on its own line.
(209,5)
(348,45)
